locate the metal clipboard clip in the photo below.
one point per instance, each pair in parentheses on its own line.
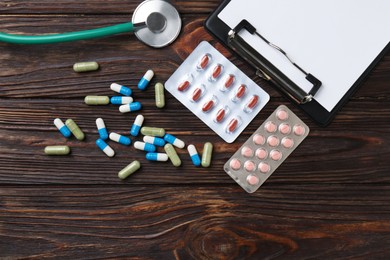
(265,69)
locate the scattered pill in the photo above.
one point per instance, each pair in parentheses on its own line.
(159,95)
(183,86)
(119,100)
(129,169)
(217,71)
(74,128)
(204,61)
(136,127)
(153,131)
(252,103)
(144,146)
(154,140)
(85,66)
(207,154)
(174,140)
(171,152)
(105,148)
(120,139)
(64,130)
(102,129)
(144,82)
(135,106)
(121,89)
(158,157)
(57,150)
(194,155)
(96,100)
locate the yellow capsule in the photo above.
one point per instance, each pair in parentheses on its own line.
(159,95)
(171,152)
(129,169)
(57,150)
(96,100)
(85,66)
(74,128)
(206,155)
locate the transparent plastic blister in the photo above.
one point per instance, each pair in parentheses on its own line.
(217,92)
(266,149)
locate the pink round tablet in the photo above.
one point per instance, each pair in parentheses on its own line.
(299,130)
(270,127)
(264,167)
(275,155)
(282,115)
(235,164)
(247,152)
(261,153)
(285,128)
(252,179)
(258,139)
(273,141)
(249,166)
(287,142)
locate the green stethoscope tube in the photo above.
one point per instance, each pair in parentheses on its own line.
(67,37)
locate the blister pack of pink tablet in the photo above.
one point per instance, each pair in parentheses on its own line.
(266,149)
(216,91)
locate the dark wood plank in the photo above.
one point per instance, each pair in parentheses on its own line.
(97,7)
(150,222)
(357,154)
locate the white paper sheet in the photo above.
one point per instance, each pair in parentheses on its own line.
(334,40)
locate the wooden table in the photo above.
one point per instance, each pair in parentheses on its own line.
(330,199)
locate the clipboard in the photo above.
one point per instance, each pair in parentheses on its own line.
(311,59)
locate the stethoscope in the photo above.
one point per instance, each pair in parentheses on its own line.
(155,23)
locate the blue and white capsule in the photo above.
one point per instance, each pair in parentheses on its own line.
(144,82)
(157,157)
(102,129)
(105,148)
(154,140)
(174,141)
(136,127)
(135,106)
(121,89)
(194,155)
(64,130)
(119,100)
(120,139)
(144,147)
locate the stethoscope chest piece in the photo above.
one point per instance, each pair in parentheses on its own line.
(163,23)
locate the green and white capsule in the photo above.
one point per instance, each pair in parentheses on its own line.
(57,150)
(97,100)
(85,66)
(75,129)
(129,170)
(159,95)
(171,152)
(153,131)
(207,153)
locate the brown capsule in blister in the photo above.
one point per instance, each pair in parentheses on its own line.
(252,103)
(183,86)
(208,106)
(240,91)
(204,61)
(229,81)
(216,72)
(196,94)
(220,115)
(233,125)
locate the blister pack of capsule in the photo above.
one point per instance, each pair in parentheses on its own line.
(266,149)
(216,91)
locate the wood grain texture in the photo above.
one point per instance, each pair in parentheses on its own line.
(329,200)
(327,222)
